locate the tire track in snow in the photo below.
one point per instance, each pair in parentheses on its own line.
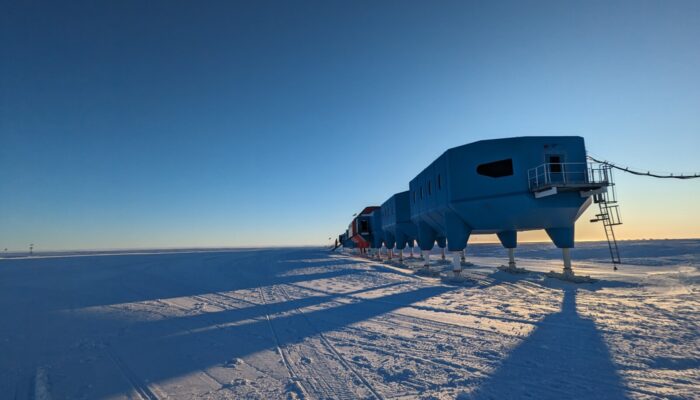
(142,389)
(320,385)
(139,386)
(333,350)
(285,361)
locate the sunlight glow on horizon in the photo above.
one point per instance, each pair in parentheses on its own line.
(258,125)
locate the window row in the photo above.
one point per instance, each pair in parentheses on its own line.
(495,169)
(388,210)
(429,186)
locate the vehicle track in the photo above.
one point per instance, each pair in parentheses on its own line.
(143,390)
(332,348)
(285,361)
(318,384)
(139,386)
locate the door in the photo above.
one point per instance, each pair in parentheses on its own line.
(555,162)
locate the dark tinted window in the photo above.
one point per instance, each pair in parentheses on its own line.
(439,182)
(430,189)
(496,169)
(364,226)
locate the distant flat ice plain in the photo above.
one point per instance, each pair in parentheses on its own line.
(305,323)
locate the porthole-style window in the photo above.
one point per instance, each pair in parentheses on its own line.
(496,169)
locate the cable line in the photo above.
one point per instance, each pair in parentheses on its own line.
(650,174)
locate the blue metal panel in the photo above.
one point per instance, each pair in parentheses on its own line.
(375,226)
(473,197)
(429,202)
(398,228)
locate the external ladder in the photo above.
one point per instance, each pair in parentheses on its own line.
(589,179)
(609,215)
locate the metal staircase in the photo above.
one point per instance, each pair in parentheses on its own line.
(590,180)
(609,215)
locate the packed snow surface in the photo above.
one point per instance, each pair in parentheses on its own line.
(307,323)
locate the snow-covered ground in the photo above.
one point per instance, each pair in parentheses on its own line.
(306,323)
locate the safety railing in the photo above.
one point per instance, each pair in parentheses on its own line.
(568,174)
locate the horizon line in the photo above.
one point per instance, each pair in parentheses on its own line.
(273,246)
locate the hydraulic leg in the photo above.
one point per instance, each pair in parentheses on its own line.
(457,263)
(511,258)
(568,272)
(566,253)
(512,268)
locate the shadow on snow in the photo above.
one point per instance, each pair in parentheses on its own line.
(564,357)
(78,282)
(173,347)
(42,299)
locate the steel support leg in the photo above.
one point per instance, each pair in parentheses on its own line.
(511,258)
(456,263)
(566,253)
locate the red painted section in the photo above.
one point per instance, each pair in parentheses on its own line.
(355,236)
(368,210)
(360,241)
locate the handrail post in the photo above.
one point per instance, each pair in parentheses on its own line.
(563,172)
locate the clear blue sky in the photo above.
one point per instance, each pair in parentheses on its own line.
(149,124)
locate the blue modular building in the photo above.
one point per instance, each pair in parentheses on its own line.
(398,228)
(375,224)
(503,186)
